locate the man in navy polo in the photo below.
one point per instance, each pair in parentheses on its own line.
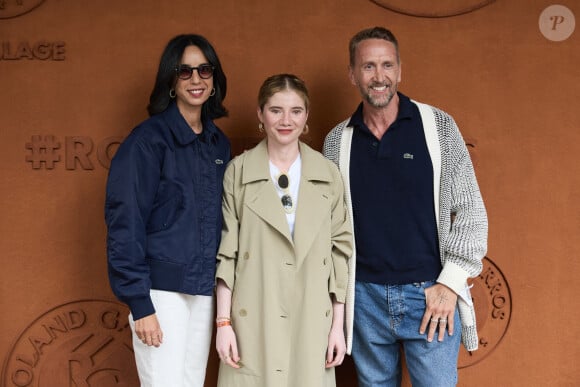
(419,222)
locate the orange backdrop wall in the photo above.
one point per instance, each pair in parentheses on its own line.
(75,78)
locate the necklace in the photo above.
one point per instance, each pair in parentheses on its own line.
(283,184)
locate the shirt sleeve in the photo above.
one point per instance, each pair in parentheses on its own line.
(131,187)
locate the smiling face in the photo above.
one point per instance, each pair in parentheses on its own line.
(376,71)
(284,117)
(193,92)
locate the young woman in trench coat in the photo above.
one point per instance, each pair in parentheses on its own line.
(282,271)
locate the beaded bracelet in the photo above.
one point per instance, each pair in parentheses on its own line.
(223,323)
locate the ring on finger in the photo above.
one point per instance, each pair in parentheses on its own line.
(443,321)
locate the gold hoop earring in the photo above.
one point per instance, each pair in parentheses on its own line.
(212,92)
(172,93)
(306,129)
(261,127)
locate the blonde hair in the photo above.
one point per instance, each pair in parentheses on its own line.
(281,82)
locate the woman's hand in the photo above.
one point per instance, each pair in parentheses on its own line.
(227,346)
(225,342)
(149,331)
(336,346)
(336,343)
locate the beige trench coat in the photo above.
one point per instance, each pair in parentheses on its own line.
(282,286)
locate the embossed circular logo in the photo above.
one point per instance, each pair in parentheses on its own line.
(82,343)
(493,308)
(429,8)
(557,23)
(13,8)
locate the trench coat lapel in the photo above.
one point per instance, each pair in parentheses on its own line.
(313,203)
(261,195)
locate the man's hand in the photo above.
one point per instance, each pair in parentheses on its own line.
(439,311)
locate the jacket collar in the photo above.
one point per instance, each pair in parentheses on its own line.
(257,169)
(182,131)
(261,198)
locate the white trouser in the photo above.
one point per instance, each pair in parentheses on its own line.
(181,360)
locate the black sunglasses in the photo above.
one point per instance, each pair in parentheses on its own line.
(284,182)
(205,71)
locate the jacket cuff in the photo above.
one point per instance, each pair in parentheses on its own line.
(337,289)
(141,307)
(338,280)
(225,271)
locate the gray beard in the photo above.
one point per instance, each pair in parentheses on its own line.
(378,104)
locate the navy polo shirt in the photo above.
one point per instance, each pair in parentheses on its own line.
(392,198)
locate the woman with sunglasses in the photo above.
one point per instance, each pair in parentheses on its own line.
(282,263)
(163,213)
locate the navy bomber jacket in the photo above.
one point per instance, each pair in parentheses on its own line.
(163,210)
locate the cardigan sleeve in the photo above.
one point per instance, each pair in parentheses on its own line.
(466,242)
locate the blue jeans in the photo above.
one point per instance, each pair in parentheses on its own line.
(388,317)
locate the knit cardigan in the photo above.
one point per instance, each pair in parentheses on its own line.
(459,211)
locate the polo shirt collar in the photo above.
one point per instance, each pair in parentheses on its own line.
(405,112)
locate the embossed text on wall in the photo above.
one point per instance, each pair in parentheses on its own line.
(45,151)
(40,50)
(81,343)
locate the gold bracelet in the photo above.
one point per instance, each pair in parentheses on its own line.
(223,323)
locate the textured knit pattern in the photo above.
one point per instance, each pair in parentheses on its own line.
(463,242)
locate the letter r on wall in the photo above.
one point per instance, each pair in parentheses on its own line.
(78,148)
